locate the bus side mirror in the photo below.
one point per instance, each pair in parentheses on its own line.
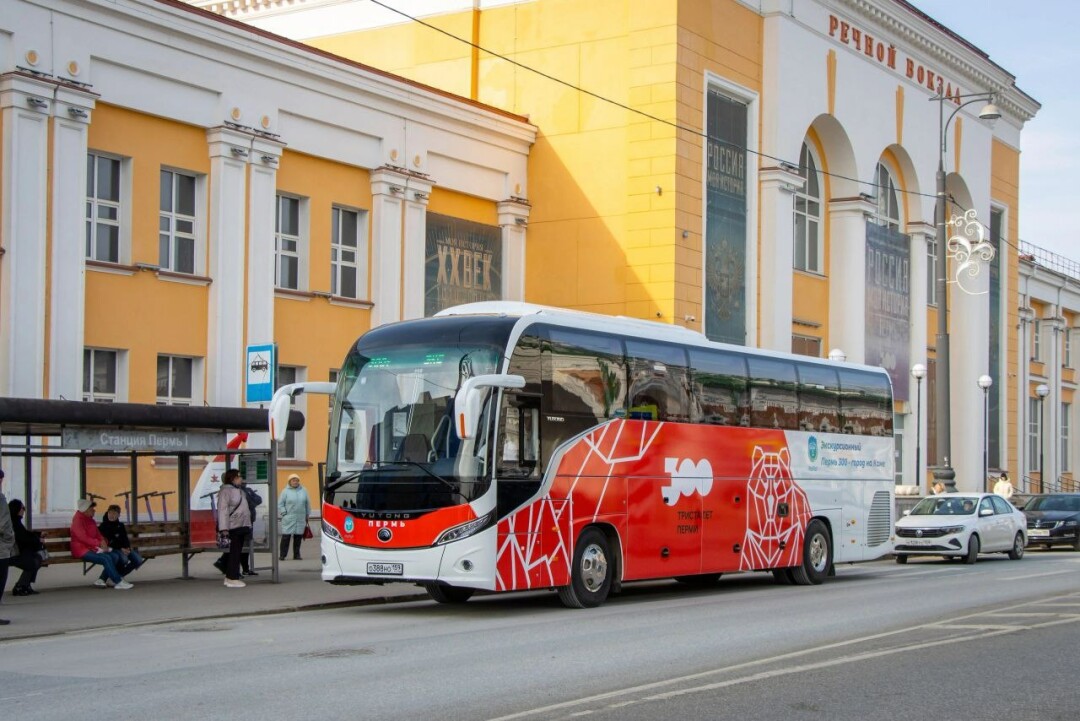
(468,399)
(281,404)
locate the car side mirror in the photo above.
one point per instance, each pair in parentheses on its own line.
(907,511)
(986,512)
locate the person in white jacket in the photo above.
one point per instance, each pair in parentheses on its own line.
(1004,486)
(294,509)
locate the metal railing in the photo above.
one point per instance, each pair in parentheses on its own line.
(1049,260)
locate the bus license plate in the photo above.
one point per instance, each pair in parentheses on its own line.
(1039,532)
(385,569)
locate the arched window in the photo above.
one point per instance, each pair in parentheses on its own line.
(808,215)
(887,212)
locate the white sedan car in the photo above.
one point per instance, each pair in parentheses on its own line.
(961,525)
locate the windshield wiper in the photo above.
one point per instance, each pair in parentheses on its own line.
(337,480)
(422,467)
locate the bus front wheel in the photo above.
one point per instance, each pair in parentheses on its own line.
(441,593)
(590,573)
(817,555)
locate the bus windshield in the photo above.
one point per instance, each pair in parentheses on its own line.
(393,446)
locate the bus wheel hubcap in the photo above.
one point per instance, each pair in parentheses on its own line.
(817,552)
(593,568)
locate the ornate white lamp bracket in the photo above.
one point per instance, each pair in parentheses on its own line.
(970,251)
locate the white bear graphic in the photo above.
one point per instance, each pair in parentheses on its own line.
(686,477)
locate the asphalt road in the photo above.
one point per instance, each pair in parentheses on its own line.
(927,640)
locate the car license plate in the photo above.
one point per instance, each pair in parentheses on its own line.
(385,569)
(918,541)
(1038,532)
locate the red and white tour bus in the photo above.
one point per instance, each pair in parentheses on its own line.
(504,446)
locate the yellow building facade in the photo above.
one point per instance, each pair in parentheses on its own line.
(166,209)
(719,164)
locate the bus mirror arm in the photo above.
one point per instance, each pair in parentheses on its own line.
(281,404)
(468,398)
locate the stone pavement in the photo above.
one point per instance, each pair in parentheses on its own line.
(69,603)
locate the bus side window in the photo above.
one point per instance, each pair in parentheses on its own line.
(773,403)
(719,391)
(659,382)
(819,398)
(865,403)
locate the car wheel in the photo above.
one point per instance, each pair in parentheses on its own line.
(1017,551)
(817,556)
(591,572)
(901,558)
(973,550)
(442,593)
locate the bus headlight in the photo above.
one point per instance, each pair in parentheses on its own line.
(465,529)
(330,531)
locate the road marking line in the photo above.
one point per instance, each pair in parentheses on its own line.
(566,705)
(1033,575)
(1021,613)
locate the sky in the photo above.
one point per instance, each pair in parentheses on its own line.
(1036,41)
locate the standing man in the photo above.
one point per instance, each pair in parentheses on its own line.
(7,544)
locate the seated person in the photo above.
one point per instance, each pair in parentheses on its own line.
(114,531)
(969,506)
(89,545)
(29,543)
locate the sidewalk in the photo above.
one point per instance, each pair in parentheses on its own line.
(69,603)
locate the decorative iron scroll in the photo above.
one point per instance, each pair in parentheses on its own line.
(969,250)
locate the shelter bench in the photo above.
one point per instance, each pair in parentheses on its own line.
(152,539)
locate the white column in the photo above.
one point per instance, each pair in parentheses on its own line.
(847,274)
(920,234)
(230,152)
(415,255)
(68,253)
(262,201)
(778,187)
(969,339)
(387,191)
(1023,391)
(26,103)
(513,219)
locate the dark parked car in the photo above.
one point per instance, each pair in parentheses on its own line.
(1054,519)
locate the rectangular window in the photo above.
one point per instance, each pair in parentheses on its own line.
(99,375)
(806,345)
(773,399)
(102,208)
(1034,421)
(587,374)
(175,380)
(1067,359)
(931,271)
(659,381)
(1036,350)
(285,376)
(1065,408)
(348,254)
(176,222)
(288,245)
(720,388)
(819,398)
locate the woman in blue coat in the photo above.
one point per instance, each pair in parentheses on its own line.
(293,509)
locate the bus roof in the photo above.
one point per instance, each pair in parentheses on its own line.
(652,330)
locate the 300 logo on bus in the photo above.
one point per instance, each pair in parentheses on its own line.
(687,478)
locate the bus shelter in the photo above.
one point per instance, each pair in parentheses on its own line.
(33,428)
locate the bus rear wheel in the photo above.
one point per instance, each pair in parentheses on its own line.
(441,593)
(817,556)
(590,573)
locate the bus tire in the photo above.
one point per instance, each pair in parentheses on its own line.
(701,580)
(590,573)
(441,593)
(817,555)
(783,576)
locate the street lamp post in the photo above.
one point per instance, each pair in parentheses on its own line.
(1042,390)
(918,372)
(985,382)
(943,470)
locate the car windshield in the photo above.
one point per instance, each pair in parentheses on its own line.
(946,506)
(1054,503)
